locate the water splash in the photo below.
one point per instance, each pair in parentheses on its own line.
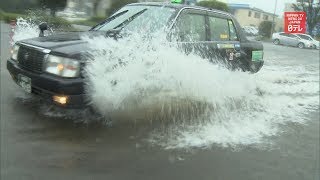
(150,80)
(25,29)
(140,79)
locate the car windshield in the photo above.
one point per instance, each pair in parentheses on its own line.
(137,18)
(304,37)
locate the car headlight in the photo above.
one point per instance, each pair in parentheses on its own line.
(61,66)
(14,52)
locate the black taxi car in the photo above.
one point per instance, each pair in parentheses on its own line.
(50,66)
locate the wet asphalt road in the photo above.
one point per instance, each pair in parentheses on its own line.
(34,146)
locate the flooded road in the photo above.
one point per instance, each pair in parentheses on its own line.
(38,142)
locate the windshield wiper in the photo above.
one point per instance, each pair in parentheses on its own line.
(127,21)
(100,25)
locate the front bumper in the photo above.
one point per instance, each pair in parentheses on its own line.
(310,46)
(47,86)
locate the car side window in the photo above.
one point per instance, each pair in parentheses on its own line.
(284,34)
(233,33)
(305,37)
(191,27)
(292,36)
(219,29)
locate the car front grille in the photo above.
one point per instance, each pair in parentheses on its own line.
(30,59)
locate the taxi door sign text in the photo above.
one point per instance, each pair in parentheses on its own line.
(295,22)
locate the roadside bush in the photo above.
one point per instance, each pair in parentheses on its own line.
(265,28)
(58,23)
(8,17)
(91,22)
(97,19)
(85,23)
(37,17)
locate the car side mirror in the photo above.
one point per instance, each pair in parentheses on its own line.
(43,27)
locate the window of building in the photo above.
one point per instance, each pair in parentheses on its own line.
(249,14)
(265,17)
(191,27)
(257,15)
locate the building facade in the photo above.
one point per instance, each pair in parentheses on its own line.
(250,16)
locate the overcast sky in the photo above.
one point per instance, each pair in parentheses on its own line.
(266,5)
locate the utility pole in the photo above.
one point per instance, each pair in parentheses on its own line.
(274,14)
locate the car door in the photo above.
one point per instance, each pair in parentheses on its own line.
(307,37)
(224,42)
(284,39)
(293,40)
(190,31)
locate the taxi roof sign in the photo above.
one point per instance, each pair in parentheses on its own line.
(177,1)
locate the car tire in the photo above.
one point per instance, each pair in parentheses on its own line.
(276,42)
(301,45)
(314,47)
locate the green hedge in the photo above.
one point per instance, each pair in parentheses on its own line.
(97,19)
(7,17)
(56,23)
(90,22)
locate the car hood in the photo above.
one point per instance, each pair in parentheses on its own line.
(66,44)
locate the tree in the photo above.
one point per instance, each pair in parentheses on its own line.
(16,6)
(53,5)
(214,5)
(312,10)
(95,6)
(265,28)
(117,4)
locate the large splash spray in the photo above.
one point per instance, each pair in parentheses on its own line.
(150,79)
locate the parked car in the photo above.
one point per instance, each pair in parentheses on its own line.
(51,66)
(251,31)
(254,30)
(291,40)
(247,31)
(316,44)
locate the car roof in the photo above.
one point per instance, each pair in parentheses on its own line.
(302,34)
(180,6)
(293,33)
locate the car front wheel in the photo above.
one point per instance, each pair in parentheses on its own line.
(276,42)
(301,45)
